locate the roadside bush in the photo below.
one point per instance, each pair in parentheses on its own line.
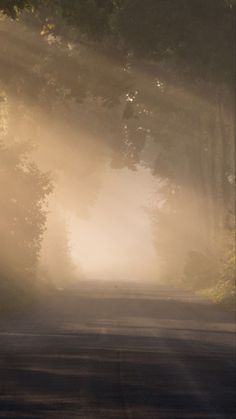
(225,289)
(200,271)
(216,277)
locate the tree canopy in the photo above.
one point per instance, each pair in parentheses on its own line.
(156,75)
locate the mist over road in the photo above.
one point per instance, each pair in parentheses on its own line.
(116,350)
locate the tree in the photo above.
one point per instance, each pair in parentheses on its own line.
(162,70)
(56,265)
(24,189)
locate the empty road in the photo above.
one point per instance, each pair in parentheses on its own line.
(116,350)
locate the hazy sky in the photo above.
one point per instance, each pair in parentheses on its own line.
(115,241)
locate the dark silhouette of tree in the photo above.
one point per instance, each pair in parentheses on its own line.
(24,189)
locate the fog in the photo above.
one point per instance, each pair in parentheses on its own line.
(105,210)
(132,175)
(115,242)
(117,209)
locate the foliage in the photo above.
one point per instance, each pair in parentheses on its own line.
(215,276)
(24,189)
(196,35)
(12,7)
(200,271)
(164,71)
(56,265)
(225,289)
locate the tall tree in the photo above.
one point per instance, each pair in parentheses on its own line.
(24,189)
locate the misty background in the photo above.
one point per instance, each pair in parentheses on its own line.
(117,152)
